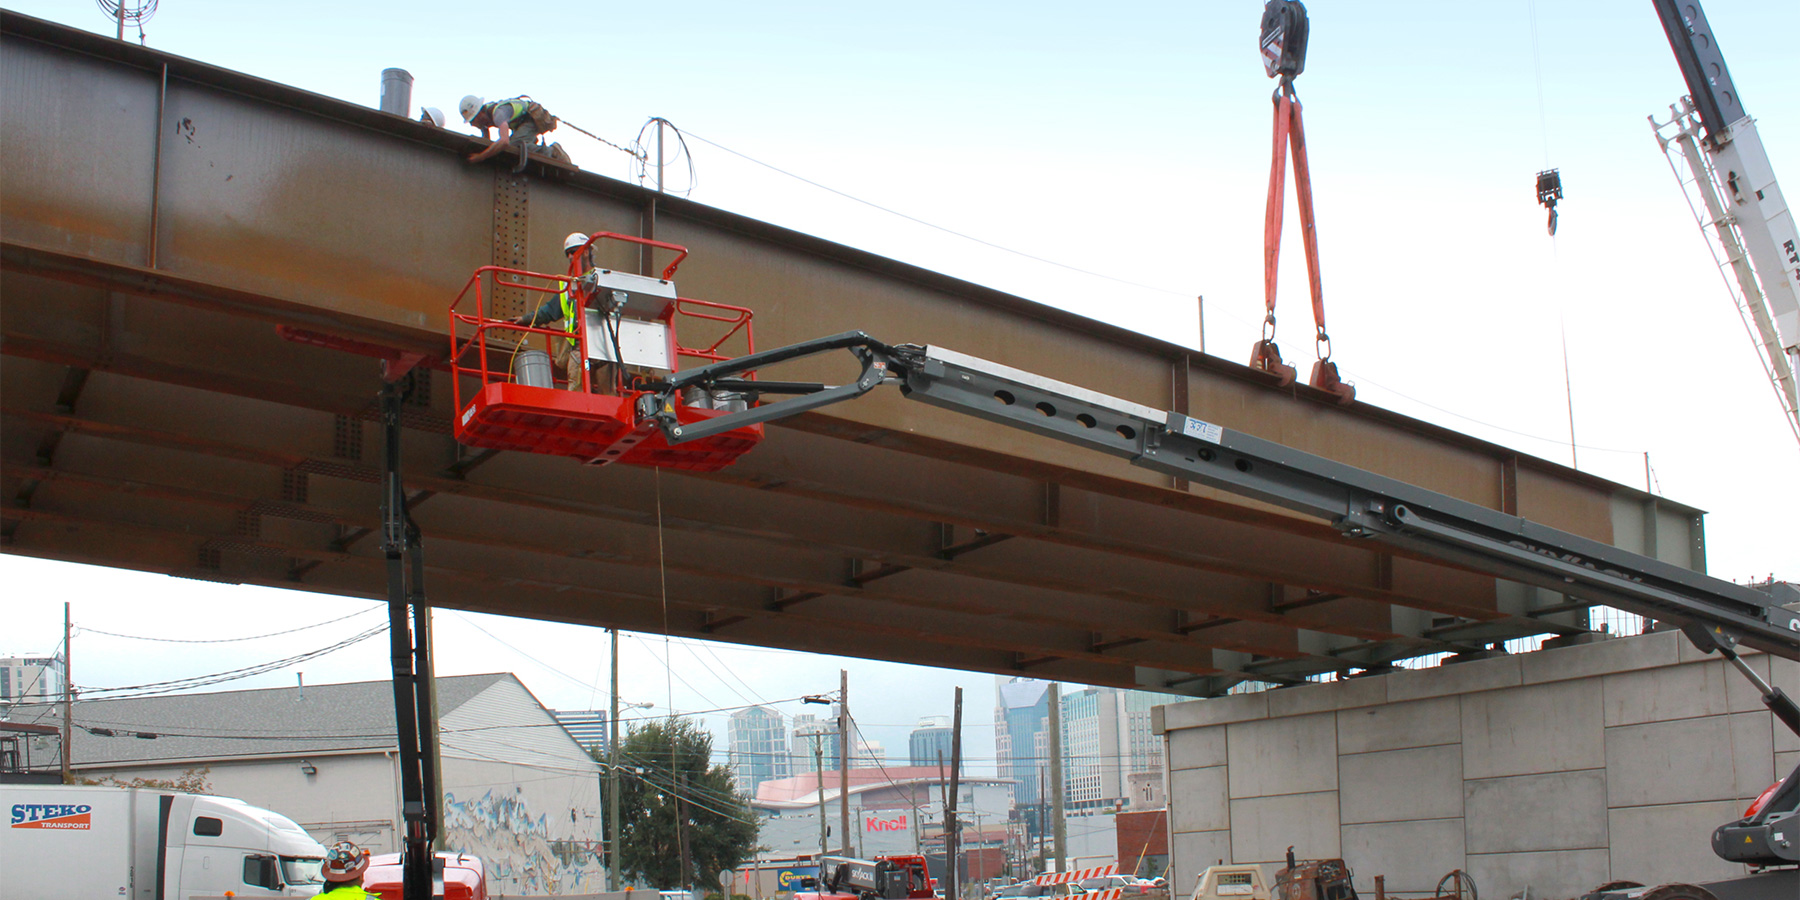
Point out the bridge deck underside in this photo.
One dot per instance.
(154, 420)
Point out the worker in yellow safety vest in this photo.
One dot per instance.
(511, 120)
(344, 866)
(566, 305)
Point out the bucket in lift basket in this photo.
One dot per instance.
(532, 368)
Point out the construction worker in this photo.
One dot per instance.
(344, 866)
(566, 306)
(510, 120)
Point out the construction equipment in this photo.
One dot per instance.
(1714, 151)
(630, 330)
(1549, 191)
(1283, 42)
(1226, 881)
(1716, 615)
(881, 878)
(1314, 879)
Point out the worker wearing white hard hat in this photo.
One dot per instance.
(511, 121)
(566, 306)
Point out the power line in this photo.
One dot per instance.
(1558, 441)
(949, 231)
(534, 660)
(82, 629)
(164, 687)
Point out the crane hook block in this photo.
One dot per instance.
(1549, 190)
(1284, 38)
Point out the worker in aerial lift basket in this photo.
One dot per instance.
(566, 306)
(344, 866)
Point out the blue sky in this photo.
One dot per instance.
(1129, 140)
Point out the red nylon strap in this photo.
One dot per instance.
(1277, 198)
(1309, 236)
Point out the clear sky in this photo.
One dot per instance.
(1126, 140)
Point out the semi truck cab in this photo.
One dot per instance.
(147, 844)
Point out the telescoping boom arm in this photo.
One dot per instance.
(1715, 614)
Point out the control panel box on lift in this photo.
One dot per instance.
(644, 305)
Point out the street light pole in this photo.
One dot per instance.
(819, 768)
(844, 758)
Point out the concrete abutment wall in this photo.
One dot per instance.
(1559, 769)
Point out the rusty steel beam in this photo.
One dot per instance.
(225, 554)
(404, 196)
(212, 435)
(877, 479)
(710, 556)
(157, 420)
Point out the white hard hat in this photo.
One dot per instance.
(575, 241)
(469, 106)
(432, 115)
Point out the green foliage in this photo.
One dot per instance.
(665, 772)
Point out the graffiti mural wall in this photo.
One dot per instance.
(522, 854)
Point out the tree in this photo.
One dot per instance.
(666, 773)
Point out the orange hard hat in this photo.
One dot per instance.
(345, 862)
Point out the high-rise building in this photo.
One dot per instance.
(586, 726)
(758, 747)
(1106, 739)
(930, 741)
(31, 678)
(868, 753)
(812, 738)
(1021, 733)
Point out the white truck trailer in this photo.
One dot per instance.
(147, 844)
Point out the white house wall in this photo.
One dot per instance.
(538, 830)
(521, 794)
(350, 797)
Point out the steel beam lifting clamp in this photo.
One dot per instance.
(1283, 42)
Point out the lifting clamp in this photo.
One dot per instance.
(1284, 33)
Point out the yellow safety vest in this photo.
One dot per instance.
(345, 892)
(573, 316)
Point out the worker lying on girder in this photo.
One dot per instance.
(517, 121)
(566, 306)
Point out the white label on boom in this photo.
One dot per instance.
(1202, 431)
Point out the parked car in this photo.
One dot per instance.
(1020, 891)
(1130, 884)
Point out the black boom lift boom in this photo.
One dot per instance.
(1716, 615)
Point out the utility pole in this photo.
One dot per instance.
(681, 836)
(613, 877)
(660, 122)
(68, 686)
(818, 742)
(844, 758)
(952, 825)
(1043, 825)
(427, 660)
(1059, 827)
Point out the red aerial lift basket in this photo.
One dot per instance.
(596, 423)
